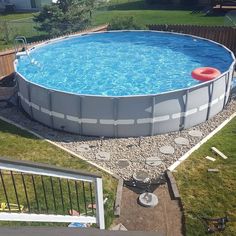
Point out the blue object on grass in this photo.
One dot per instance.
(77, 225)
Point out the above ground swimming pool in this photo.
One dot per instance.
(123, 83)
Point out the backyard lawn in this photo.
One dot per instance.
(20, 145)
(13, 25)
(15, 16)
(208, 194)
(154, 14)
(22, 23)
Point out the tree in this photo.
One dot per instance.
(65, 16)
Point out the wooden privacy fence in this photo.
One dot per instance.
(221, 34)
(7, 58)
(6, 64)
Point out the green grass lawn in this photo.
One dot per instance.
(20, 145)
(15, 16)
(18, 24)
(210, 194)
(13, 25)
(153, 14)
(147, 17)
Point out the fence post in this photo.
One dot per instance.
(6, 32)
(99, 203)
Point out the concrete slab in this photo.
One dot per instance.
(148, 200)
(195, 133)
(182, 141)
(83, 148)
(153, 161)
(123, 163)
(167, 150)
(141, 176)
(103, 156)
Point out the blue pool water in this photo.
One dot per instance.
(122, 63)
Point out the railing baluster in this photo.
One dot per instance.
(85, 203)
(62, 200)
(77, 195)
(44, 193)
(41, 193)
(53, 195)
(68, 186)
(5, 191)
(91, 196)
(25, 190)
(14, 185)
(35, 192)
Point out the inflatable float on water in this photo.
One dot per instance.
(205, 73)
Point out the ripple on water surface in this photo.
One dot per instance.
(122, 63)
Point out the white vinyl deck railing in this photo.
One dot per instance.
(41, 193)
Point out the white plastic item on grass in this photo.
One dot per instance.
(215, 150)
(210, 158)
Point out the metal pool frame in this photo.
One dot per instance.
(125, 116)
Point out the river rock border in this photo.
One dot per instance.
(132, 149)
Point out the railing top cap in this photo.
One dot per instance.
(37, 165)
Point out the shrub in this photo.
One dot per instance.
(125, 23)
(65, 16)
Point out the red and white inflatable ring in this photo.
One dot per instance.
(205, 73)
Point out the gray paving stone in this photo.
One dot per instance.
(123, 163)
(195, 133)
(83, 148)
(182, 141)
(141, 176)
(167, 150)
(103, 156)
(154, 161)
(148, 199)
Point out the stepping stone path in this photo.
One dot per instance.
(153, 161)
(103, 156)
(148, 200)
(123, 163)
(141, 176)
(83, 148)
(195, 133)
(182, 141)
(167, 150)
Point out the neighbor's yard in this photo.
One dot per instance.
(20, 145)
(206, 194)
(15, 16)
(22, 24)
(153, 14)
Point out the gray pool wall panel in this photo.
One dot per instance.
(125, 116)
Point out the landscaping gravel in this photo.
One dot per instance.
(135, 150)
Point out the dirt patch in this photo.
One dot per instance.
(165, 218)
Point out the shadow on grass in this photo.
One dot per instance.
(142, 5)
(38, 38)
(10, 129)
(46, 132)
